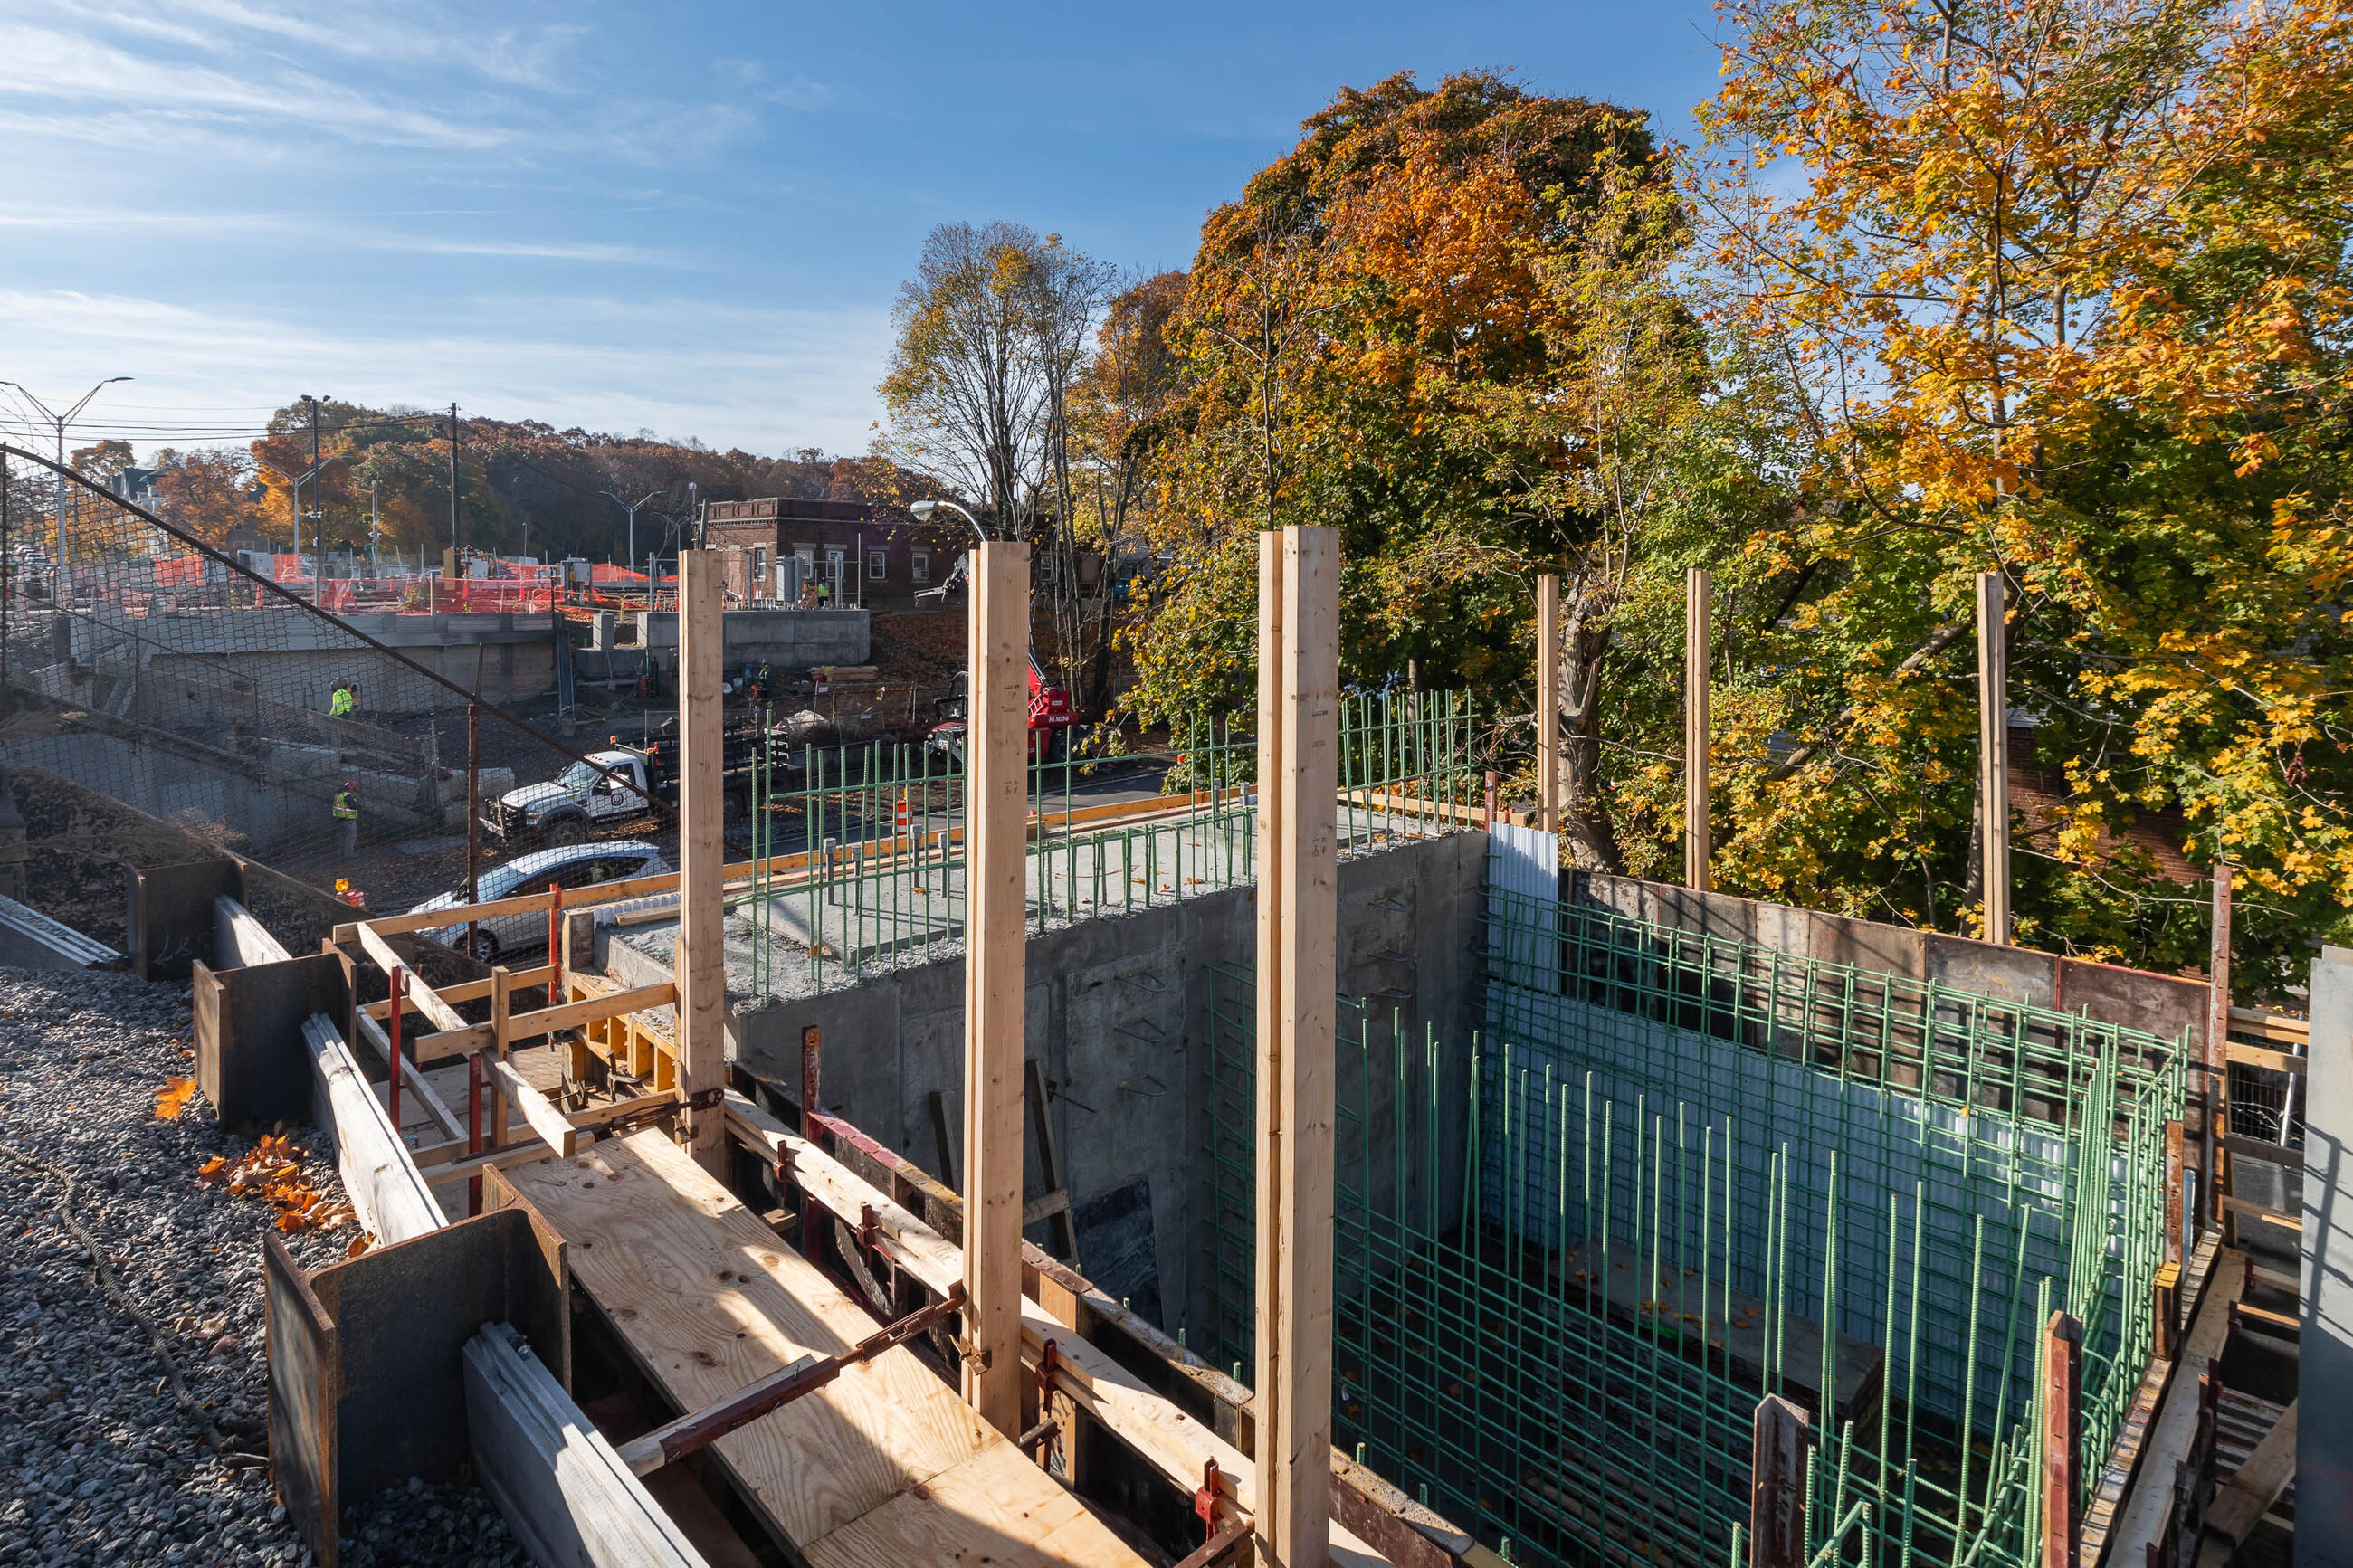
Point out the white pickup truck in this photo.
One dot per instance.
(580, 800)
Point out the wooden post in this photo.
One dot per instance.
(812, 1226)
(698, 961)
(1696, 606)
(994, 978)
(1548, 695)
(2165, 1306)
(1777, 1486)
(500, 1005)
(1993, 756)
(2063, 1438)
(2218, 1048)
(1298, 916)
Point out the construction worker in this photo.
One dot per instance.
(347, 816)
(340, 705)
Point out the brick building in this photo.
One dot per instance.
(865, 553)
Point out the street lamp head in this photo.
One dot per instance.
(922, 510)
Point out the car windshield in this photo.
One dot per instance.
(579, 775)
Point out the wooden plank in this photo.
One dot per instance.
(2262, 1056)
(471, 990)
(1055, 1204)
(563, 1491)
(239, 939)
(2283, 1028)
(2249, 1209)
(708, 1303)
(457, 1042)
(1777, 1486)
(429, 1001)
(412, 1081)
(521, 903)
(1143, 1419)
(548, 1124)
(1993, 752)
(1697, 730)
(987, 1499)
(2141, 1517)
(1298, 916)
(995, 969)
(916, 1247)
(2241, 1506)
(698, 961)
(1547, 673)
(387, 1193)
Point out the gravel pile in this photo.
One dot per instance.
(134, 1404)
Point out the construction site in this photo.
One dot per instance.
(893, 1145)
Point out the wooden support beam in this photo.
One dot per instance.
(549, 1125)
(1697, 619)
(1993, 754)
(1055, 1202)
(995, 969)
(699, 961)
(1298, 914)
(2061, 1441)
(2238, 1507)
(2216, 1176)
(1548, 776)
(1777, 1484)
(543, 1020)
(421, 997)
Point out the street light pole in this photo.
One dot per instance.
(57, 546)
(631, 507)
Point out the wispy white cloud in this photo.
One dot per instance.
(759, 79)
(765, 379)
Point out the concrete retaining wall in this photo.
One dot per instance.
(785, 639)
(1116, 1014)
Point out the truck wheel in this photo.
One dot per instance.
(732, 808)
(567, 830)
(486, 947)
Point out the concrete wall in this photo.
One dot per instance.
(786, 639)
(1116, 1014)
(2163, 1005)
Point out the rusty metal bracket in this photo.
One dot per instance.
(1219, 1546)
(690, 1433)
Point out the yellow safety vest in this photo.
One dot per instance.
(340, 706)
(346, 805)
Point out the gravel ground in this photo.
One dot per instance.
(133, 1405)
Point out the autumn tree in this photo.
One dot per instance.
(1377, 335)
(2064, 290)
(991, 331)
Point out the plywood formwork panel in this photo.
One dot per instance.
(708, 1300)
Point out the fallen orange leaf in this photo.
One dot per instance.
(173, 1098)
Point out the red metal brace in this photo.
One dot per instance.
(1049, 1431)
(867, 1229)
(1221, 1543)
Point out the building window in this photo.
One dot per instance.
(875, 565)
(807, 553)
(919, 564)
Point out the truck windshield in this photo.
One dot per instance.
(579, 775)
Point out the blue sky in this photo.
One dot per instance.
(686, 219)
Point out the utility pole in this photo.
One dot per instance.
(1993, 755)
(318, 514)
(57, 540)
(457, 540)
(376, 526)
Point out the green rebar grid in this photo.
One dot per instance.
(1675, 1171)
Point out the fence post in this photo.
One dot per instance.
(1777, 1488)
(2063, 1438)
